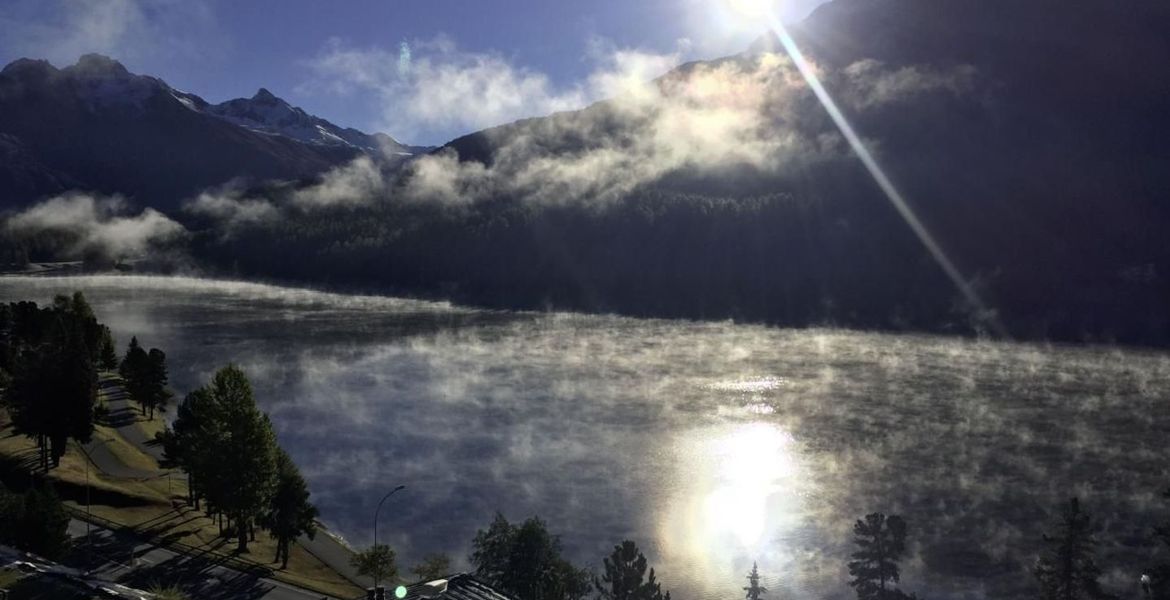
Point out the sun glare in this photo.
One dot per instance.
(752, 463)
(743, 494)
(753, 9)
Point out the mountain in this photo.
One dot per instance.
(266, 113)
(95, 126)
(1027, 136)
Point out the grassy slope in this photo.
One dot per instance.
(155, 507)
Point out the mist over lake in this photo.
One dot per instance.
(712, 444)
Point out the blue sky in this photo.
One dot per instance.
(340, 59)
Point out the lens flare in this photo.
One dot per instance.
(808, 73)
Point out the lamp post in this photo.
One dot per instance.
(88, 515)
(376, 511)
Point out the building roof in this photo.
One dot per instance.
(460, 586)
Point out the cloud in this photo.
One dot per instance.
(871, 83)
(649, 119)
(443, 88)
(351, 184)
(751, 111)
(356, 183)
(231, 209)
(136, 30)
(709, 117)
(96, 225)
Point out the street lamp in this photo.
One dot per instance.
(88, 515)
(376, 511)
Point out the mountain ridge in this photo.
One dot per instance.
(95, 126)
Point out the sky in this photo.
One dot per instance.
(424, 71)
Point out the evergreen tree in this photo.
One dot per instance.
(108, 354)
(78, 317)
(189, 442)
(432, 567)
(881, 543)
(625, 576)
(134, 370)
(52, 395)
(42, 525)
(75, 392)
(377, 562)
(754, 590)
(491, 549)
(244, 474)
(11, 514)
(154, 388)
(290, 515)
(29, 401)
(1067, 568)
(526, 561)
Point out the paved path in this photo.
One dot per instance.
(123, 414)
(333, 552)
(121, 557)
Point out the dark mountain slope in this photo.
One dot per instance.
(96, 127)
(1027, 135)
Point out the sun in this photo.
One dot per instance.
(752, 9)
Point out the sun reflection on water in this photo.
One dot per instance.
(739, 495)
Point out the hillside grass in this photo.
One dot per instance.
(156, 508)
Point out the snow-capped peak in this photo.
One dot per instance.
(267, 113)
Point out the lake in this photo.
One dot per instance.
(711, 444)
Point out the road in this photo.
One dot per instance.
(124, 558)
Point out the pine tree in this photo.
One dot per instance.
(52, 395)
(881, 543)
(754, 590)
(154, 388)
(491, 549)
(625, 576)
(75, 394)
(29, 401)
(43, 525)
(134, 370)
(290, 514)
(1067, 569)
(108, 354)
(526, 561)
(189, 442)
(243, 477)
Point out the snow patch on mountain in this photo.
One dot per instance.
(264, 112)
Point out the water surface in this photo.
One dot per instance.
(712, 445)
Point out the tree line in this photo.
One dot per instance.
(145, 375)
(49, 360)
(34, 521)
(526, 561)
(236, 470)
